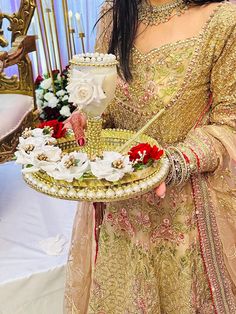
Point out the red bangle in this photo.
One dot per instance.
(197, 158)
(186, 158)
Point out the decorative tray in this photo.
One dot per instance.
(91, 189)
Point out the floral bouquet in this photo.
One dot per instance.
(53, 101)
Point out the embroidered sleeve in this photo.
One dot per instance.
(203, 148)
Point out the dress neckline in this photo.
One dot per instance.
(182, 41)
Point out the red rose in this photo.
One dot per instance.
(38, 80)
(156, 153)
(143, 153)
(55, 73)
(58, 128)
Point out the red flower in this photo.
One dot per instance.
(58, 128)
(144, 152)
(55, 73)
(156, 153)
(38, 80)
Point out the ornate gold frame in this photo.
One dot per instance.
(17, 55)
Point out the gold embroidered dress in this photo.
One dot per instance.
(177, 254)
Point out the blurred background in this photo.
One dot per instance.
(80, 15)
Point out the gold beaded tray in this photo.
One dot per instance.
(94, 190)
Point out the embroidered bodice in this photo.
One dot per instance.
(181, 75)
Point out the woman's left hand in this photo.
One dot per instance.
(161, 190)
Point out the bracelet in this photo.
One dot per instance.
(172, 175)
(182, 161)
(180, 171)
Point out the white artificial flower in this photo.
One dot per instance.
(85, 88)
(29, 168)
(53, 102)
(72, 166)
(65, 111)
(23, 158)
(38, 132)
(47, 157)
(61, 93)
(37, 142)
(66, 97)
(26, 148)
(112, 167)
(46, 84)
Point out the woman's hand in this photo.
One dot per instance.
(161, 190)
(78, 122)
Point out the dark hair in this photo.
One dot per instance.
(125, 22)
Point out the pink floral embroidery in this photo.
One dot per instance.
(151, 198)
(109, 218)
(141, 305)
(120, 221)
(143, 220)
(125, 87)
(165, 232)
(97, 289)
(124, 223)
(191, 220)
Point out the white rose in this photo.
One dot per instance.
(45, 104)
(82, 94)
(65, 111)
(52, 103)
(46, 84)
(66, 97)
(85, 88)
(48, 96)
(61, 93)
(39, 103)
(39, 93)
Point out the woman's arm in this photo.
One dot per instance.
(205, 147)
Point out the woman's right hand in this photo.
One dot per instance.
(77, 122)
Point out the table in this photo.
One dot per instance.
(31, 280)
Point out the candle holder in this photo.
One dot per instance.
(48, 11)
(72, 34)
(46, 43)
(82, 36)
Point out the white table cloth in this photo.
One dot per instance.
(31, 280)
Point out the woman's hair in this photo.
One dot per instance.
(125, 21)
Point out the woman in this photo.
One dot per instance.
(171, 250)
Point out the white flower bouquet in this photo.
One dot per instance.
(53, 103)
